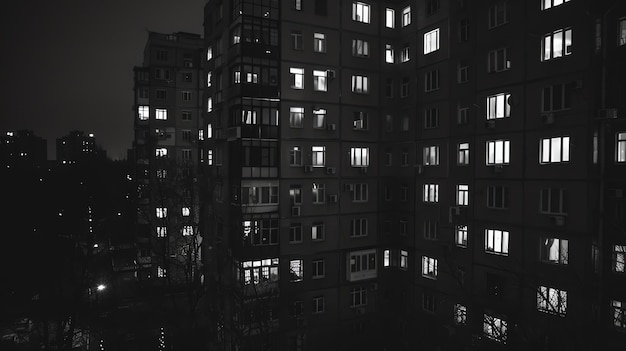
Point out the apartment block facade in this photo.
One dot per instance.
(397, 174)
(166, 155)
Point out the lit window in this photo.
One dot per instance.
(144, 112)
(318, 304)
(319, 118)
(318, 156)
(319, 81)
(359, 157)
(552, 201)
(619, 314)
(462, 194)
(622, 32)
(619, 258)
(388, 53)
(497, 197)
(296, 117)
(551, 300)
(186, 211)
(317, 231)
(360, 48)
(209, 157)
(386, 258)
(297, 77)
(209, 53)
(429, 267)
(463, 154)
(553, 250)
(161, 152)
(187, 230)
(161, 231)
(295, 233)
(161, 113)
(554, 150)
(460, 235)
(495, 328)
(406, 16)
(260, 232)
(318, 193)
(460, 314)
(431, 155)
(296, 40)
(249, 117)
(359, 121)
(431, 193)
(390, 18)
(497, 14)
(362, 265)
(161, 212)
(404, 54)
(497, 60)
(209, 104)
(297, 5)
(546, 4)
(431, 41)
(319, 42)
(431, 80)
(358, 297)
(498, 152)
(557, 44)
(620, 147)
(295, 193)
(295, 270)
(497, 242)
(254, 272)
(360, 84)
(358, 227)
(498, 106)
(360, 12)
(161, 272)
(295, 156)
(237, 75)
(259, 195)
(404, 259)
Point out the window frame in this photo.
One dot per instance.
(361, 12)
(554, 150)
(429, 267)
(492, 154)
(497, 242)
(431, 41)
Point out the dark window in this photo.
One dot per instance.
(320, 7)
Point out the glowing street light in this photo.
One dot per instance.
(101, 287)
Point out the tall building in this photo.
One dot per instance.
(390, 175)
(167, 131)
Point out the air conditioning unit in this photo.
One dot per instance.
(330, 73)
(331, 126)
(349, 187)
(359, 311)
(559, 221)
(491, 124)
(332, 199)
(308, 168)
(607, 113)
(331, 170)
(295, 211)
(547, 118)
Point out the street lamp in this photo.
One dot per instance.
(101, 287)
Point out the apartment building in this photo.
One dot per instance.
(166, 155)
(403, 174)
(22, 148)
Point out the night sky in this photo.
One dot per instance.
(67, 64)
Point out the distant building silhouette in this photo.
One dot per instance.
(78, 147)
(22, 148)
